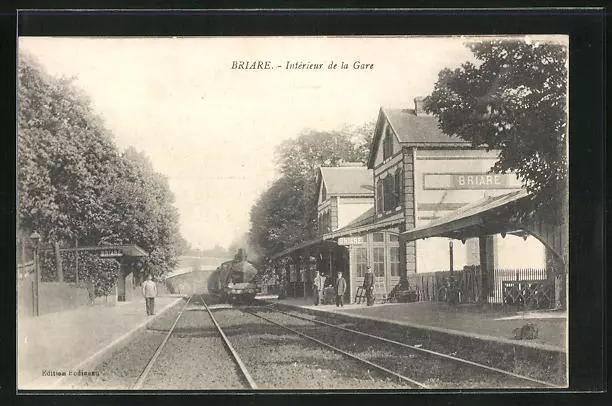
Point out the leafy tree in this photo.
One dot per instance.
(73, 185)
(65, 159)
(144, 213)
(285, 214)
(514, 100)
(277, 218)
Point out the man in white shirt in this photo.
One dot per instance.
(149, 291)
(317, 284)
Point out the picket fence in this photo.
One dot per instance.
(432, 286)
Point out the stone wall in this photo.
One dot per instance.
(57, 297)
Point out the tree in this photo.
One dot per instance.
(286, 213)
(277, 218)
(144, 213)
(66, 159)
(73, 185)
(513, 100)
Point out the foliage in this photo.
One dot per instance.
(65, 159)
(101, 273)
(74, 185)
(514, 100)
(285, 214)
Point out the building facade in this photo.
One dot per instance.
(415, 174)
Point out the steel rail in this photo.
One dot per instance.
(229, 346)
(347, 354)
(147, 370)
(424, 350)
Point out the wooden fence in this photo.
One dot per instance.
(434, 286)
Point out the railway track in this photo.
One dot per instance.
(345, 353)
(410, 365)
(463, 363)
(234, 355)
(253, 385)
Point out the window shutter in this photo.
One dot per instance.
(389, 189)
(398, 188)
(379, 196)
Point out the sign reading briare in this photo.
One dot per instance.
(111, 253)
(350, 240)
(470, 181)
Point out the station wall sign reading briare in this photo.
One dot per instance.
(443, 181)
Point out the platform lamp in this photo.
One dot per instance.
(450, 252)
(35, 238)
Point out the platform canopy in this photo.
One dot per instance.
(491, 215)
(306, 244)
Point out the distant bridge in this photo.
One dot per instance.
(192, 273)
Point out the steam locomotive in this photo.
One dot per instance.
(234, 281)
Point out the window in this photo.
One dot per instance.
(379, 196)
(389, 192)
(393, 238)
(394, 260)
(398, 188)
(323, 193)
(378, 261)
(378, 237)
(388, 143)
(325, 222)
(361, 260)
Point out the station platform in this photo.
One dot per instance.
(76, 339)
(483, 322)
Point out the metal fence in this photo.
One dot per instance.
(506, 275)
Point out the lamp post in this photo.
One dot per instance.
(35, 238)
(450, 252)
(452, 299)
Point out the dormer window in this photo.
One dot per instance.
(388, 143)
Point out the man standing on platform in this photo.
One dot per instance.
(149, 291)
(318, 283)
(368, 286)
(340, 289)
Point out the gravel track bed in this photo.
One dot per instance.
(121, 368)
(429, 370)
(496, 360)
(279, 359)
(194, 357)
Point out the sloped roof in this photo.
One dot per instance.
(421, 129)
(478, 218)
(365, 223)
(348, 180)
(413, 130)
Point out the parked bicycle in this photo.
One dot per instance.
(450, 292)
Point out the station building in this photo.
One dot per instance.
(417, 174)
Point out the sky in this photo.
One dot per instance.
(212, 130)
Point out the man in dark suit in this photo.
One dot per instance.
(340, 289)
(368, 285)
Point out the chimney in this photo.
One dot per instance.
(418, 106)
